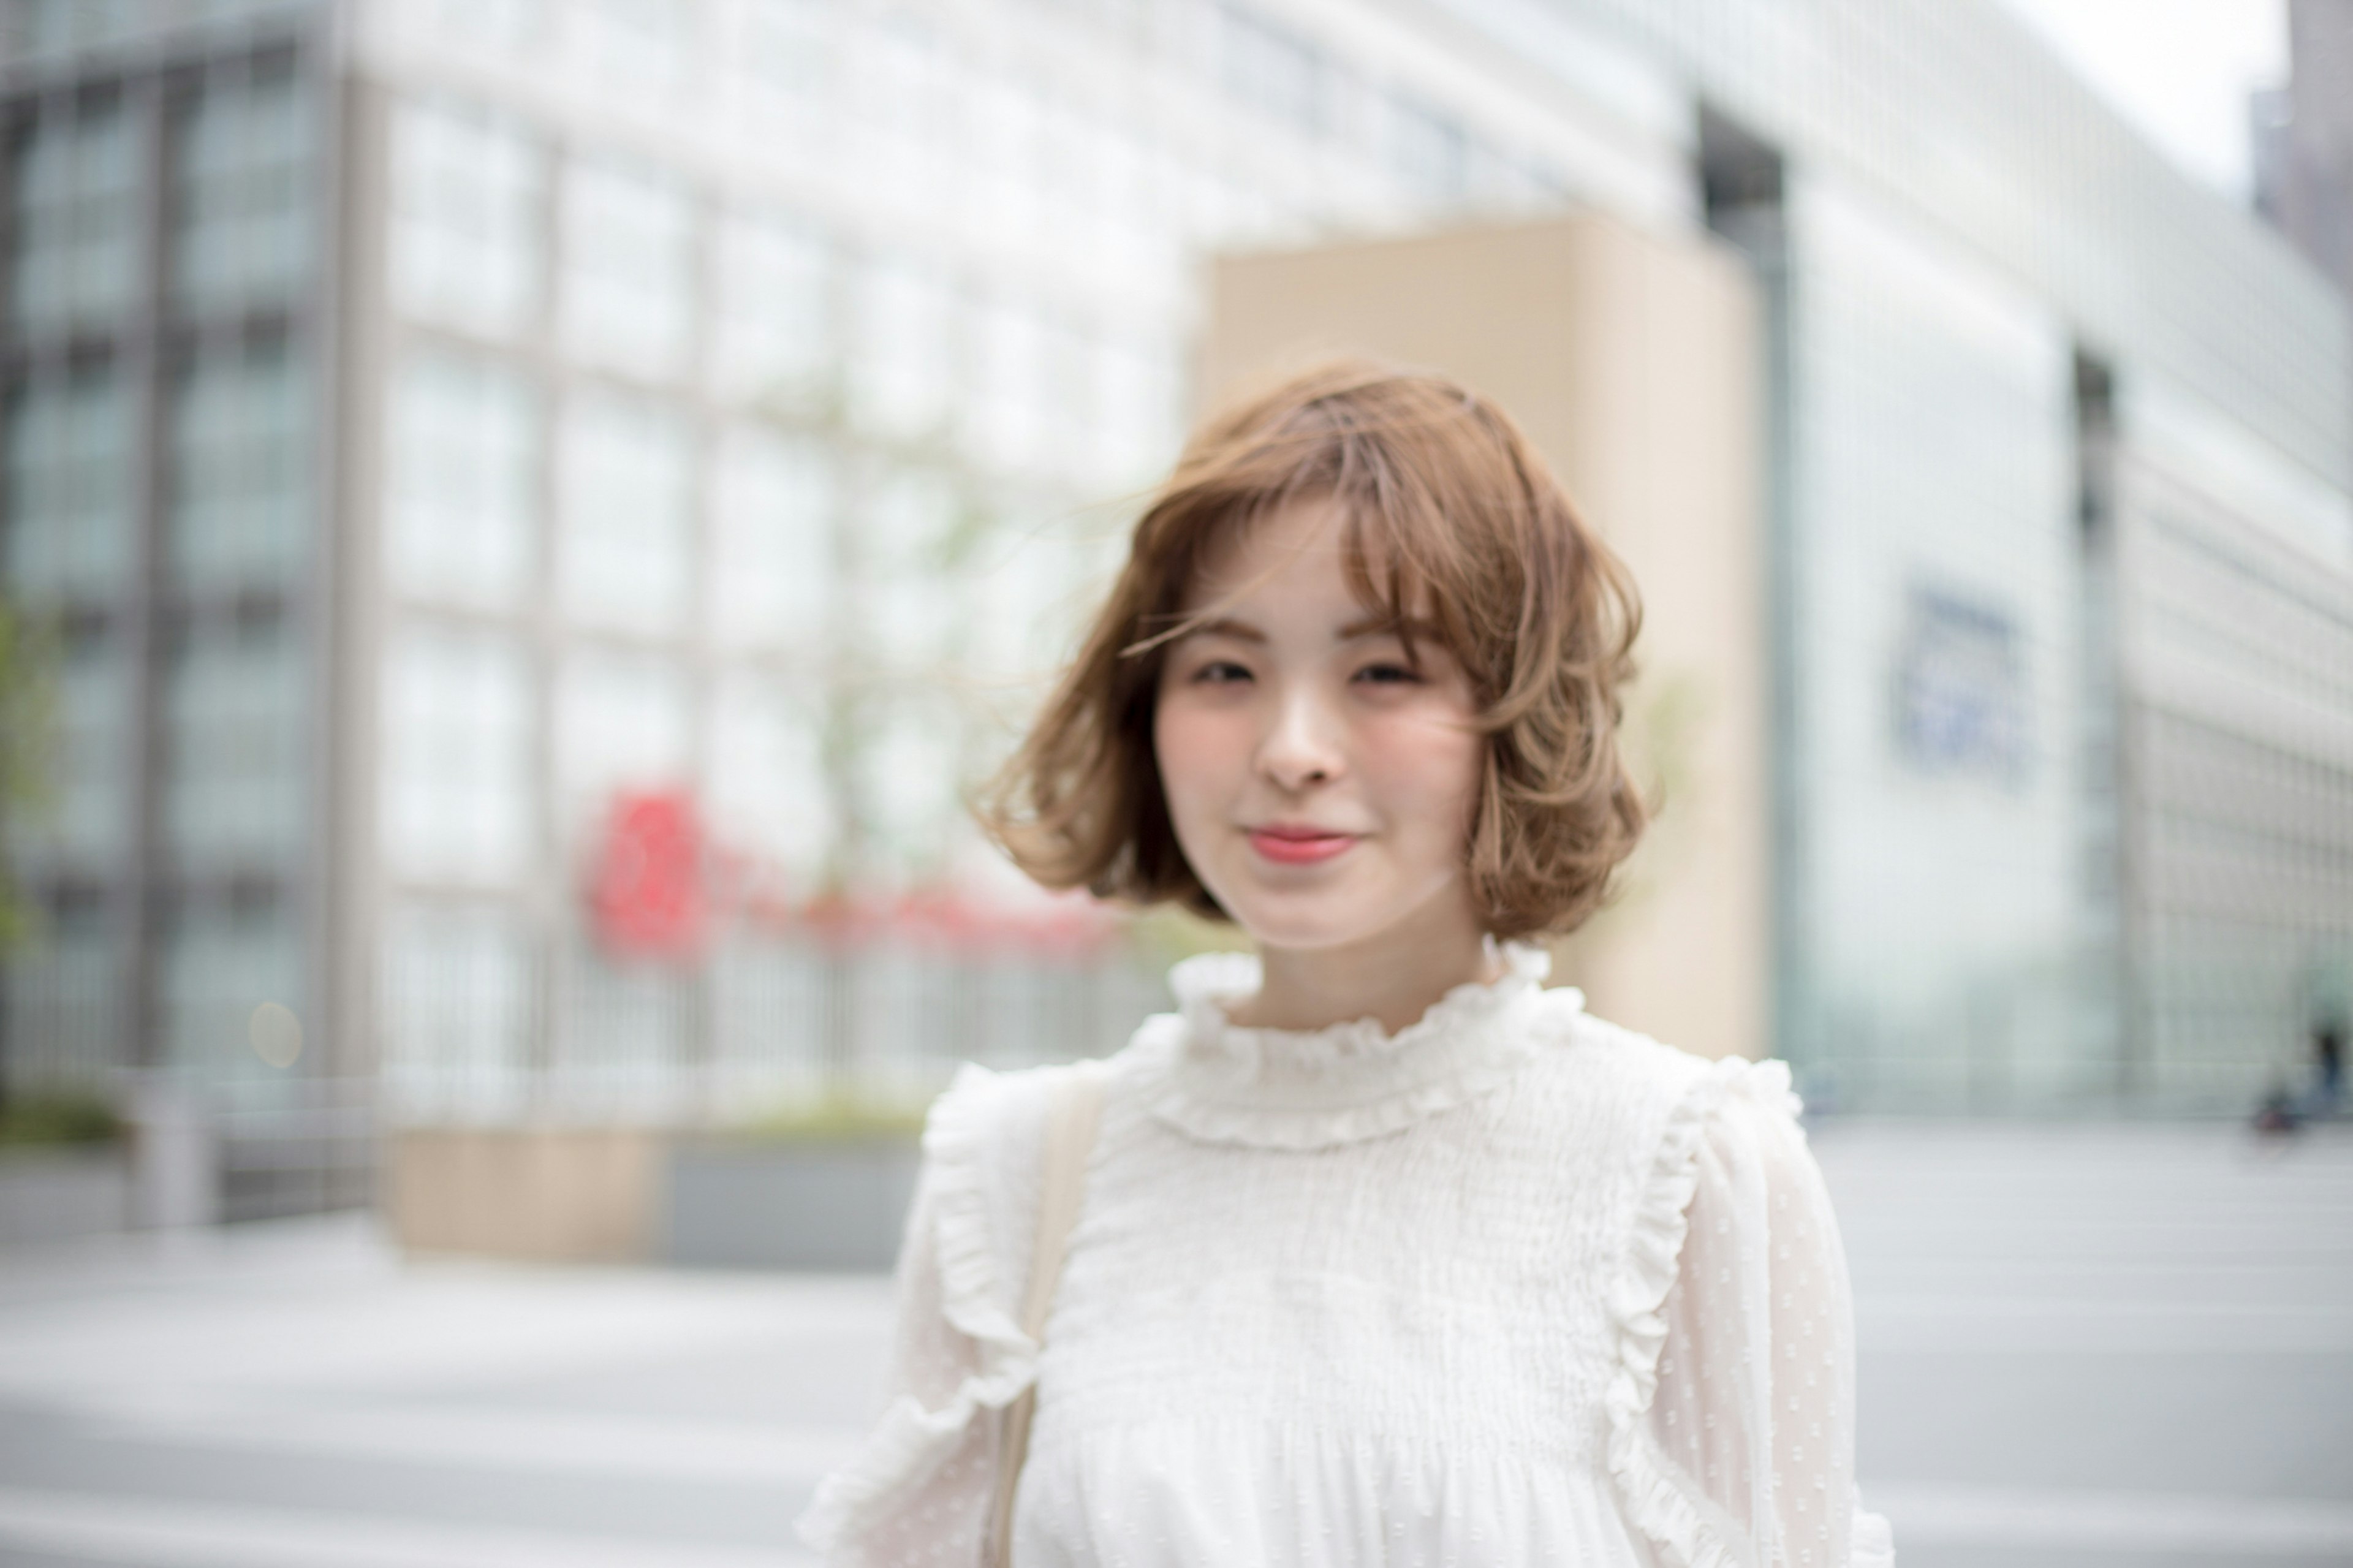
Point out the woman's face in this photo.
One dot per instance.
(1320, 780)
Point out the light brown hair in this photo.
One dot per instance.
(1451, 521)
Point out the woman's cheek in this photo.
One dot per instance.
(1192, 742)
(1430, 762)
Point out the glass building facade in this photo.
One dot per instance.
(436, 424)
(2013, 875)
(165, 506)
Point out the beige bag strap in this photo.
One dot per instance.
(1071, 1117)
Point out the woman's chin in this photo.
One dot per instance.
(1330, 912)
(1307, 924)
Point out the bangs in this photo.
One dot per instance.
(1405, 556)
(1397, 588)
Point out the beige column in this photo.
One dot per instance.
(1633, 362)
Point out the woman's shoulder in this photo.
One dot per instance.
(984, 1144)
(1671, 1077)
(987, 1130)
(991, 1116)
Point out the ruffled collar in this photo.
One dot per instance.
(1283, 1088)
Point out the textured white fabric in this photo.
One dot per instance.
(1510, 1285)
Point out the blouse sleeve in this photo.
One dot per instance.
(1754, 1416)
(918, 1490)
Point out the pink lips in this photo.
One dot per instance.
(1287, 845)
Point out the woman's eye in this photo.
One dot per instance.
(1220, 672)
(1387, 674)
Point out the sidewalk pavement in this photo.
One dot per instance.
(2081, 1346)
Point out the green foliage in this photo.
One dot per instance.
(27, 747)
(57, 1118)
(1668, 717)
(1164, 934)
(838, 1118)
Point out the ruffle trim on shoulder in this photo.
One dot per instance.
(1873, 1541)
(1299, 1089)
(913, 1441)
(957, 1144)
(1658, 1504)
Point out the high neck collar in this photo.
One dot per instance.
(1307, 1088)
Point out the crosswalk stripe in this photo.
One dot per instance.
(1928, 1514)
(110, 1528)
(766, 1454)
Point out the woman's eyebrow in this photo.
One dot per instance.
(1225, 626)
(1406, 627)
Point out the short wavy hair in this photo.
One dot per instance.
(1452, 522)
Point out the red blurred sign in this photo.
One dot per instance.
(648, 891)
(959, 921)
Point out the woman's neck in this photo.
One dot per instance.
(1394, 977)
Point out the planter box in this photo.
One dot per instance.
(548, 1194)
(626, 1195)
(819, 1205)
(52, 1195)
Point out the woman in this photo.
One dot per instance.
(1381, 1253)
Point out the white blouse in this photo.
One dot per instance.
(1510, 1285)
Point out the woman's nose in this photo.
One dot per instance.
(1302, 745)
